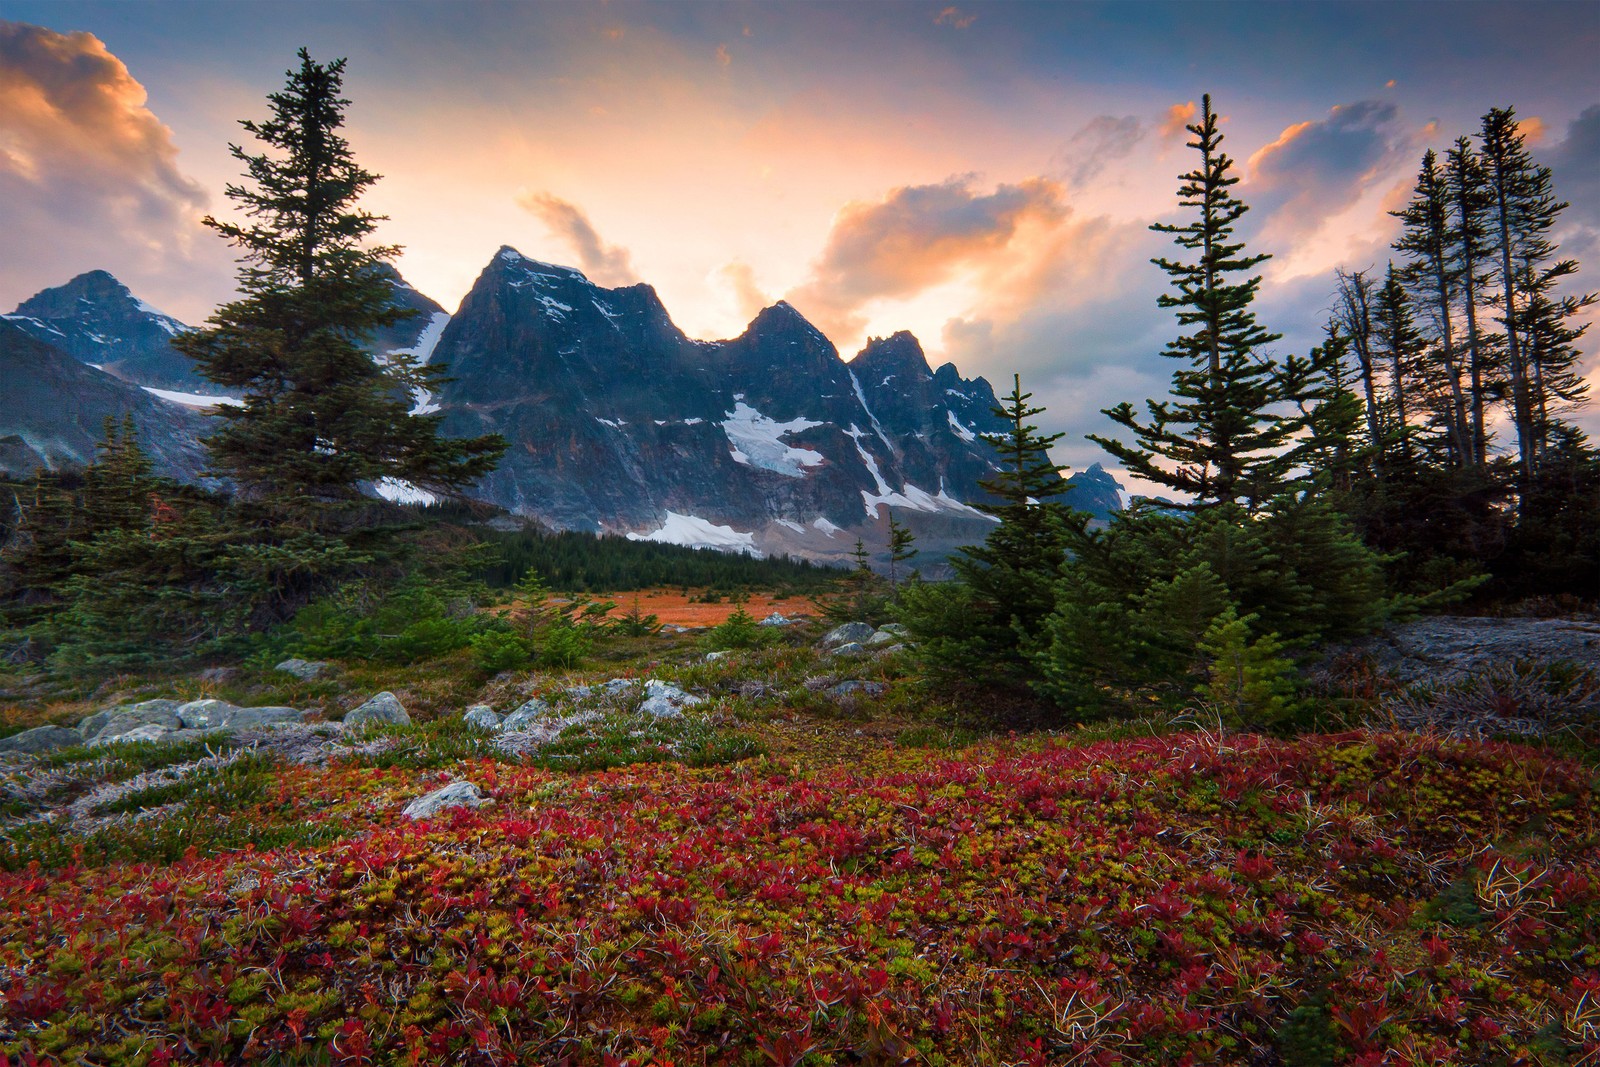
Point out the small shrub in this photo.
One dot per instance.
(564, 644)
(497, 650)
(739, 630)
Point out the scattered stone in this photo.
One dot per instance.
(140, 715)
(204, 714)
(854, 688)
(849, 633)
(41, 739)
(849, 649)
(242, 718)
(775, 619)
(881, 638)
(305, 670)
(666, 701)
(712, 657)
(482, 716)
(893, 628)
(217, 675)
(454, 795)
(527, 715)
(385, 707)
(889, 650)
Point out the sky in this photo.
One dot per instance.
(982, 174)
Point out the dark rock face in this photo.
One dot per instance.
(769, 441)
(95, 319)
(1095, 491)
(53, 410)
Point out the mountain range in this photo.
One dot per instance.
(617, 421)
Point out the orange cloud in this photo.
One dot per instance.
(608, 265)
(1178, 116)
(954, 16)
(89, 177)
(724, 57)
(917, 237)
(749, 297)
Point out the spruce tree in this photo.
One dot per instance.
(1223, 437)
(321, 421)
(1431, 276)
(1401, 344)
(1469, 199)
(902, 549)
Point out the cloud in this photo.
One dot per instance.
(1575, 164)
(1176, 120)
(608, 265)
(1320, 166)
(918, 237)
(89, 177)
(954, 16)
(749, 296)
(1105, 138)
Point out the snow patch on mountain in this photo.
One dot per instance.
(757, 441)
(960, 430)
(420, 353)
(692, 531)
(401, 491)
(825, 526)
(191, 400)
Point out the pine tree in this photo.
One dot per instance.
(901, 549)
(1432, 278)
(1222, 437)
(1469, 199)
(1354, 317)
(321, 421)
(1401, 345)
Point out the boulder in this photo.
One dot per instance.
(482, 716)
(881, 638)
(775, 619)
(528, 714)
(712, 657)
(666, 701)
(889, 650)
(243, 718)
(204, 714)
(41, 739)
(303, 669)
(849, 633)
(848, 649)
(144, 711)
(384, 708)
(893, 628)
(150, 731)
(454, 795)
(138, 717)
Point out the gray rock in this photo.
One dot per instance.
(849, 633)
(454, 795)
(712, 657)
(775, 619)
(482, 716)
(150, 731)
(666, 701)
(144, 711)
(204, 714)
(855, 688)
(305, 670)
(137, 718)
(881, 638)
(848, 649)
(217, 675)
(385, 708)
(1445, 648)
(893, 628)
(246, 718)
(41, 739)
(528, 714)
(889, 650)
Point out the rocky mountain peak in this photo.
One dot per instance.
(898, 357)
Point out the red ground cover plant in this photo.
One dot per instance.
(1365, 899)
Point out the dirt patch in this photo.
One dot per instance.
(674, 608)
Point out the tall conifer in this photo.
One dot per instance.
(1224, 437)
(321, 421)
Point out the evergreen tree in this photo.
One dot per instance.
(901, 549)
(1432, 277)
(1468, 195)
(1354, 318)
(321, 420)
(1223, 436)
(1401, 345)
